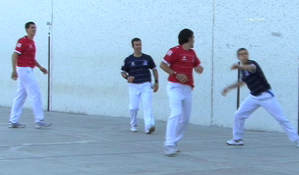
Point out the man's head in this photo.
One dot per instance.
(186, 36)
(243, 54)
(137, 45)
(30, 28)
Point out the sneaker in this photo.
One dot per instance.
(239, 142)
(16, 125)
(170, 150)
(42, 124)
(134, 129)
(150, 130)
(177, 149)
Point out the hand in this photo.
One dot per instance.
(14, 75)
(44, 70)
(199, 69)
(235, 66)
(156, 87)
(182, 78)
(130, 79)
(224, 92)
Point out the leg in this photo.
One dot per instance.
(185, 117)
(273, 107)
(248, 106)
(18, 103)
(175, 102)
(134, 103)
(34, 94)
(147, 98)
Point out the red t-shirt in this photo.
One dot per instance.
(26, 50)
(182, 61)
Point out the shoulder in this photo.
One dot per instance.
(146, 56)
(253, 62)
(23, 39)
(175, 49)
(172, 50)
(129, 58)
(193, 51)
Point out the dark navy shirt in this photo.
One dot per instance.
(138, 67)
(256, 80)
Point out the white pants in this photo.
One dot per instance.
(268, 102)
(27, 86)
(180, 101)
(143, 92)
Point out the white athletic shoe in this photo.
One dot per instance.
(233, 142)
(134, 129)
(170, 151)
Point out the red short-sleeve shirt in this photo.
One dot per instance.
(26, 50)
(182, 61)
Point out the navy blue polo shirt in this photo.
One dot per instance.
(256, 81)
(139, 67)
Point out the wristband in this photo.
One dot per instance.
(156, 81)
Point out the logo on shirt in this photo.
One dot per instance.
(19, 45)
(145, 63)
(184, 58)
(246, 73)
(132, 64)
(30, 46)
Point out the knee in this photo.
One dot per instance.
(240, 115)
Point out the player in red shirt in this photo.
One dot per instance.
(23, 63)
(179, 63)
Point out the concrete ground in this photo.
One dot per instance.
(81, 144)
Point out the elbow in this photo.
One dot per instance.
(162, 65)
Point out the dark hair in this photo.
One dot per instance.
(135, 39)
(27, 25)
(184, 36)
(241, 49)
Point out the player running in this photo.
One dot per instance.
(136, 70)
(179, 63)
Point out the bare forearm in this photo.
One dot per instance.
(124, 75)
(14, 61)
(166, 68)
(37, 64)
(156, 75)
(246, 67)
(235, 85)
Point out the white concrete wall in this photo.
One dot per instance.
(90, 40)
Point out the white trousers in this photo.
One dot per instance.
(143, 92)
(180, 101)
(268, 102)
(27, 86)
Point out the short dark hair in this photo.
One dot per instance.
(134, 40)
(184, 36)
(241, 49)
(27, 25)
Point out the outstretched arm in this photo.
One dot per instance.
(249, 67)
(231, 87)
